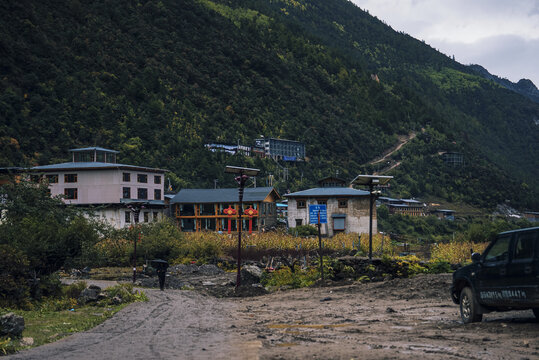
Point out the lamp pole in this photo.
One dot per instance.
(241, 180)
(371, 181)
(243, 175)
(135, 209)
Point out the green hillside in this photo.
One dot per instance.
(157, 80)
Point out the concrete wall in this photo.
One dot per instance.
(116, 216)
(357, 214)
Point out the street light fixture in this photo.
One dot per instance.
(371, 181)
(243, 175)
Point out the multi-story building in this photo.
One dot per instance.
(203, 209)
(347, 209)
(114, 192)
(288, 150)
(403, 206)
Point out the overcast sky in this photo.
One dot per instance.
(500, 35)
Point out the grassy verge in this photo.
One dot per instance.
(56, 318)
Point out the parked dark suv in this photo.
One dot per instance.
(505, 277)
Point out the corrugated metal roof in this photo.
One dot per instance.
(199, 196)
(94, 148)
(92, 165)
(329, 191)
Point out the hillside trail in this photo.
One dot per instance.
(395, 319)
(403, 140)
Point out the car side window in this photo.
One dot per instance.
(499, 251)
(524, 246)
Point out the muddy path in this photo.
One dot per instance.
(396, 319)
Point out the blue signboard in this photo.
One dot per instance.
(313, 214)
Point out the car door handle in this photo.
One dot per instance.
(528, 270)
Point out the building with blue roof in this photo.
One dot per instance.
(347, 209)
(94, 180)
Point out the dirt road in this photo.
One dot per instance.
(397, 319)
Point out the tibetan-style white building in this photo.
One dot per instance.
(94, 180)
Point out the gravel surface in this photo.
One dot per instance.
(396, 319)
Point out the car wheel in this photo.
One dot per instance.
(469, 311)
(536, 312)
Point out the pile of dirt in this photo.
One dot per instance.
(422, 286)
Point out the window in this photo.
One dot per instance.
(187, 210)
(35, 178)
(499, 251)
(299, 222)
(126, 177)
(70, 193)
(146, 216)
(207, 209)
(142, 178)
(157, 194)
(142, 193)
(128, 217)
(524, 246)
(321, 201)
(157, 179)
(52, 179)
(155, 216)
(300, 204)
(343, 203)
(126, 193)
(70, 178)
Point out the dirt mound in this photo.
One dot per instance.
(422, 286)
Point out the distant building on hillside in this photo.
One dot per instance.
(403, 206)
(531, 216)
(281, 149)
(444, 214)
(94, 180)
(453, 158)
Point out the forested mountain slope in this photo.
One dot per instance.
(157, 80)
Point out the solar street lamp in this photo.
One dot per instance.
(371, 181)
(242, 175)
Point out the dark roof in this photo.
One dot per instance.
(328, 191)
(95, 148)
(199, 196)
(93, 166)
(444, 210)
(145, 202)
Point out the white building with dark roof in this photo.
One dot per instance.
(95, 181)
(347, 209)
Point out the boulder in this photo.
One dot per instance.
(90, 294)
(250, 274)
(11, 325)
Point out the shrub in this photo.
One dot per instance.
(73, 291)
(304, 230)
(14, 275)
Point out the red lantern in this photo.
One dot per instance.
(229, 211)
(250, 212)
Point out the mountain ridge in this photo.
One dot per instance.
(158, 80)
(524, 87)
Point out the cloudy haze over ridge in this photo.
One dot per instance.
(500, 35)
